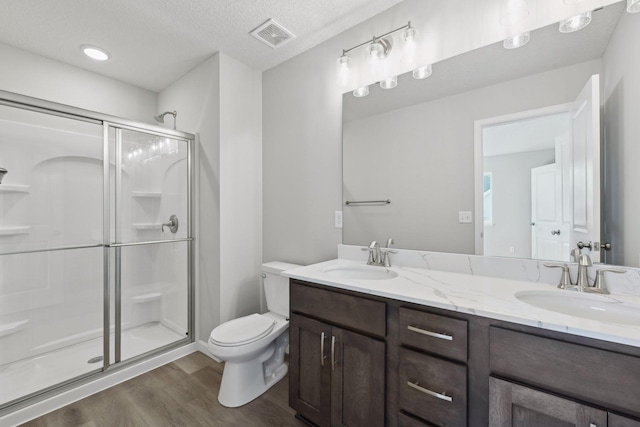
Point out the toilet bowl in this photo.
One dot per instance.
(253, 346)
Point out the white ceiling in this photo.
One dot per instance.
(154, 42)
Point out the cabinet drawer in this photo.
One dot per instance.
(361, 314)
(604, 378)
(436, 334)
(432, 388)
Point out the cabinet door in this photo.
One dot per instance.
(618, 421)
(357, 379)
(512, 405)
(310, 373)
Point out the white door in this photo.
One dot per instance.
(585, 117)
(546, 235)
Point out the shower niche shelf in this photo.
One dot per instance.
(146, 194)
(14, 230)
(4, 188)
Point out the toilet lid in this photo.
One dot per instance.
(242, 330)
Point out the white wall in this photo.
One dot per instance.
(220, 100)
(621, 63)
(511, 190)
(33, 75)
(421, 157)
(302, 112)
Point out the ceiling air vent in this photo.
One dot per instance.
(272, 34)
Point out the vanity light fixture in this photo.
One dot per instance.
(378, 47)
(633, 6)
(575, 23)
(422, 72)
(361, 92)
(95, 52)
(389, 83)
(517, 41)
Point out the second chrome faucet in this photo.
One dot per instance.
(380, 256)
(582, 281)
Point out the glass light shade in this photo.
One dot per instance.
(361, 92)
(422, 72)
(376, 50)
(95, 52)
(409, 34)
(575, 23)
(516, 41)
(343, 62)
(633, 6)
(389, 83)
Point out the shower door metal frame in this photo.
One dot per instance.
(28, 103)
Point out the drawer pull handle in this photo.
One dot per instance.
(431, 334)
(322, 338)
(429, 392)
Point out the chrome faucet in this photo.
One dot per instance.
(386, 260)
(582, 283)
(374, 253)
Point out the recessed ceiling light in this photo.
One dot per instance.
(95, 52)
(516, 41)
(575, 23)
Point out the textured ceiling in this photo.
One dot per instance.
(154, 42)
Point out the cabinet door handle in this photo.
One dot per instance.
(441, 396)
(322, 338)
(431, 334)
(333, 352)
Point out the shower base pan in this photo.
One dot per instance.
(28, 376)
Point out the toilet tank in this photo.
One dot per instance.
(276, 287)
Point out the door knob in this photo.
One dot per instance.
(584, 245)
(555, 232)
(172, 224)
(606, 246)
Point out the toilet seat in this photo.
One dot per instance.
(243, 330)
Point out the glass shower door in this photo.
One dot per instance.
(51, 255)
(150, 241)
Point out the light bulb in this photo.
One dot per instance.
(575, 23)
(376, 50)
(389, 83)
(422, 72)
(409, 34)
(361, 92)
(633, 6)
(516, 41)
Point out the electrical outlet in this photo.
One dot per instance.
(465, 217)
(338, 219)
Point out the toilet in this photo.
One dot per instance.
(253, 346)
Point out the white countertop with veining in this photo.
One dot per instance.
(490, 297)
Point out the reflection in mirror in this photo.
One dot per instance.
(415, 146)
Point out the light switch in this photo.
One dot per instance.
(465, 217)
(338, 219)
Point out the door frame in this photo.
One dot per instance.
(478, 156)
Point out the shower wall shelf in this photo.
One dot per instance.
(14, 230)
(146, 226)
(4, 188)
(153, 296)
(12, 328)
(146, 194)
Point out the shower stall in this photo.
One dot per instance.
(96, 245)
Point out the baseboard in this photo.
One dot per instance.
(67, 397)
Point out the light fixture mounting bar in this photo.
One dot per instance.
(345, 51)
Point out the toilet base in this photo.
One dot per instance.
(242, 382)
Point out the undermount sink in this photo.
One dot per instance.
(595, 307)
(360, 272)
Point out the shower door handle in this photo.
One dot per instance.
(172, 224)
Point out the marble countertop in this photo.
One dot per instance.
(490, 297)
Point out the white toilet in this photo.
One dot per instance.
(253, 346)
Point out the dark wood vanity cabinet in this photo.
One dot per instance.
(337, 375)
(360, 360)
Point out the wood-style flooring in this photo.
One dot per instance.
(182, 393)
